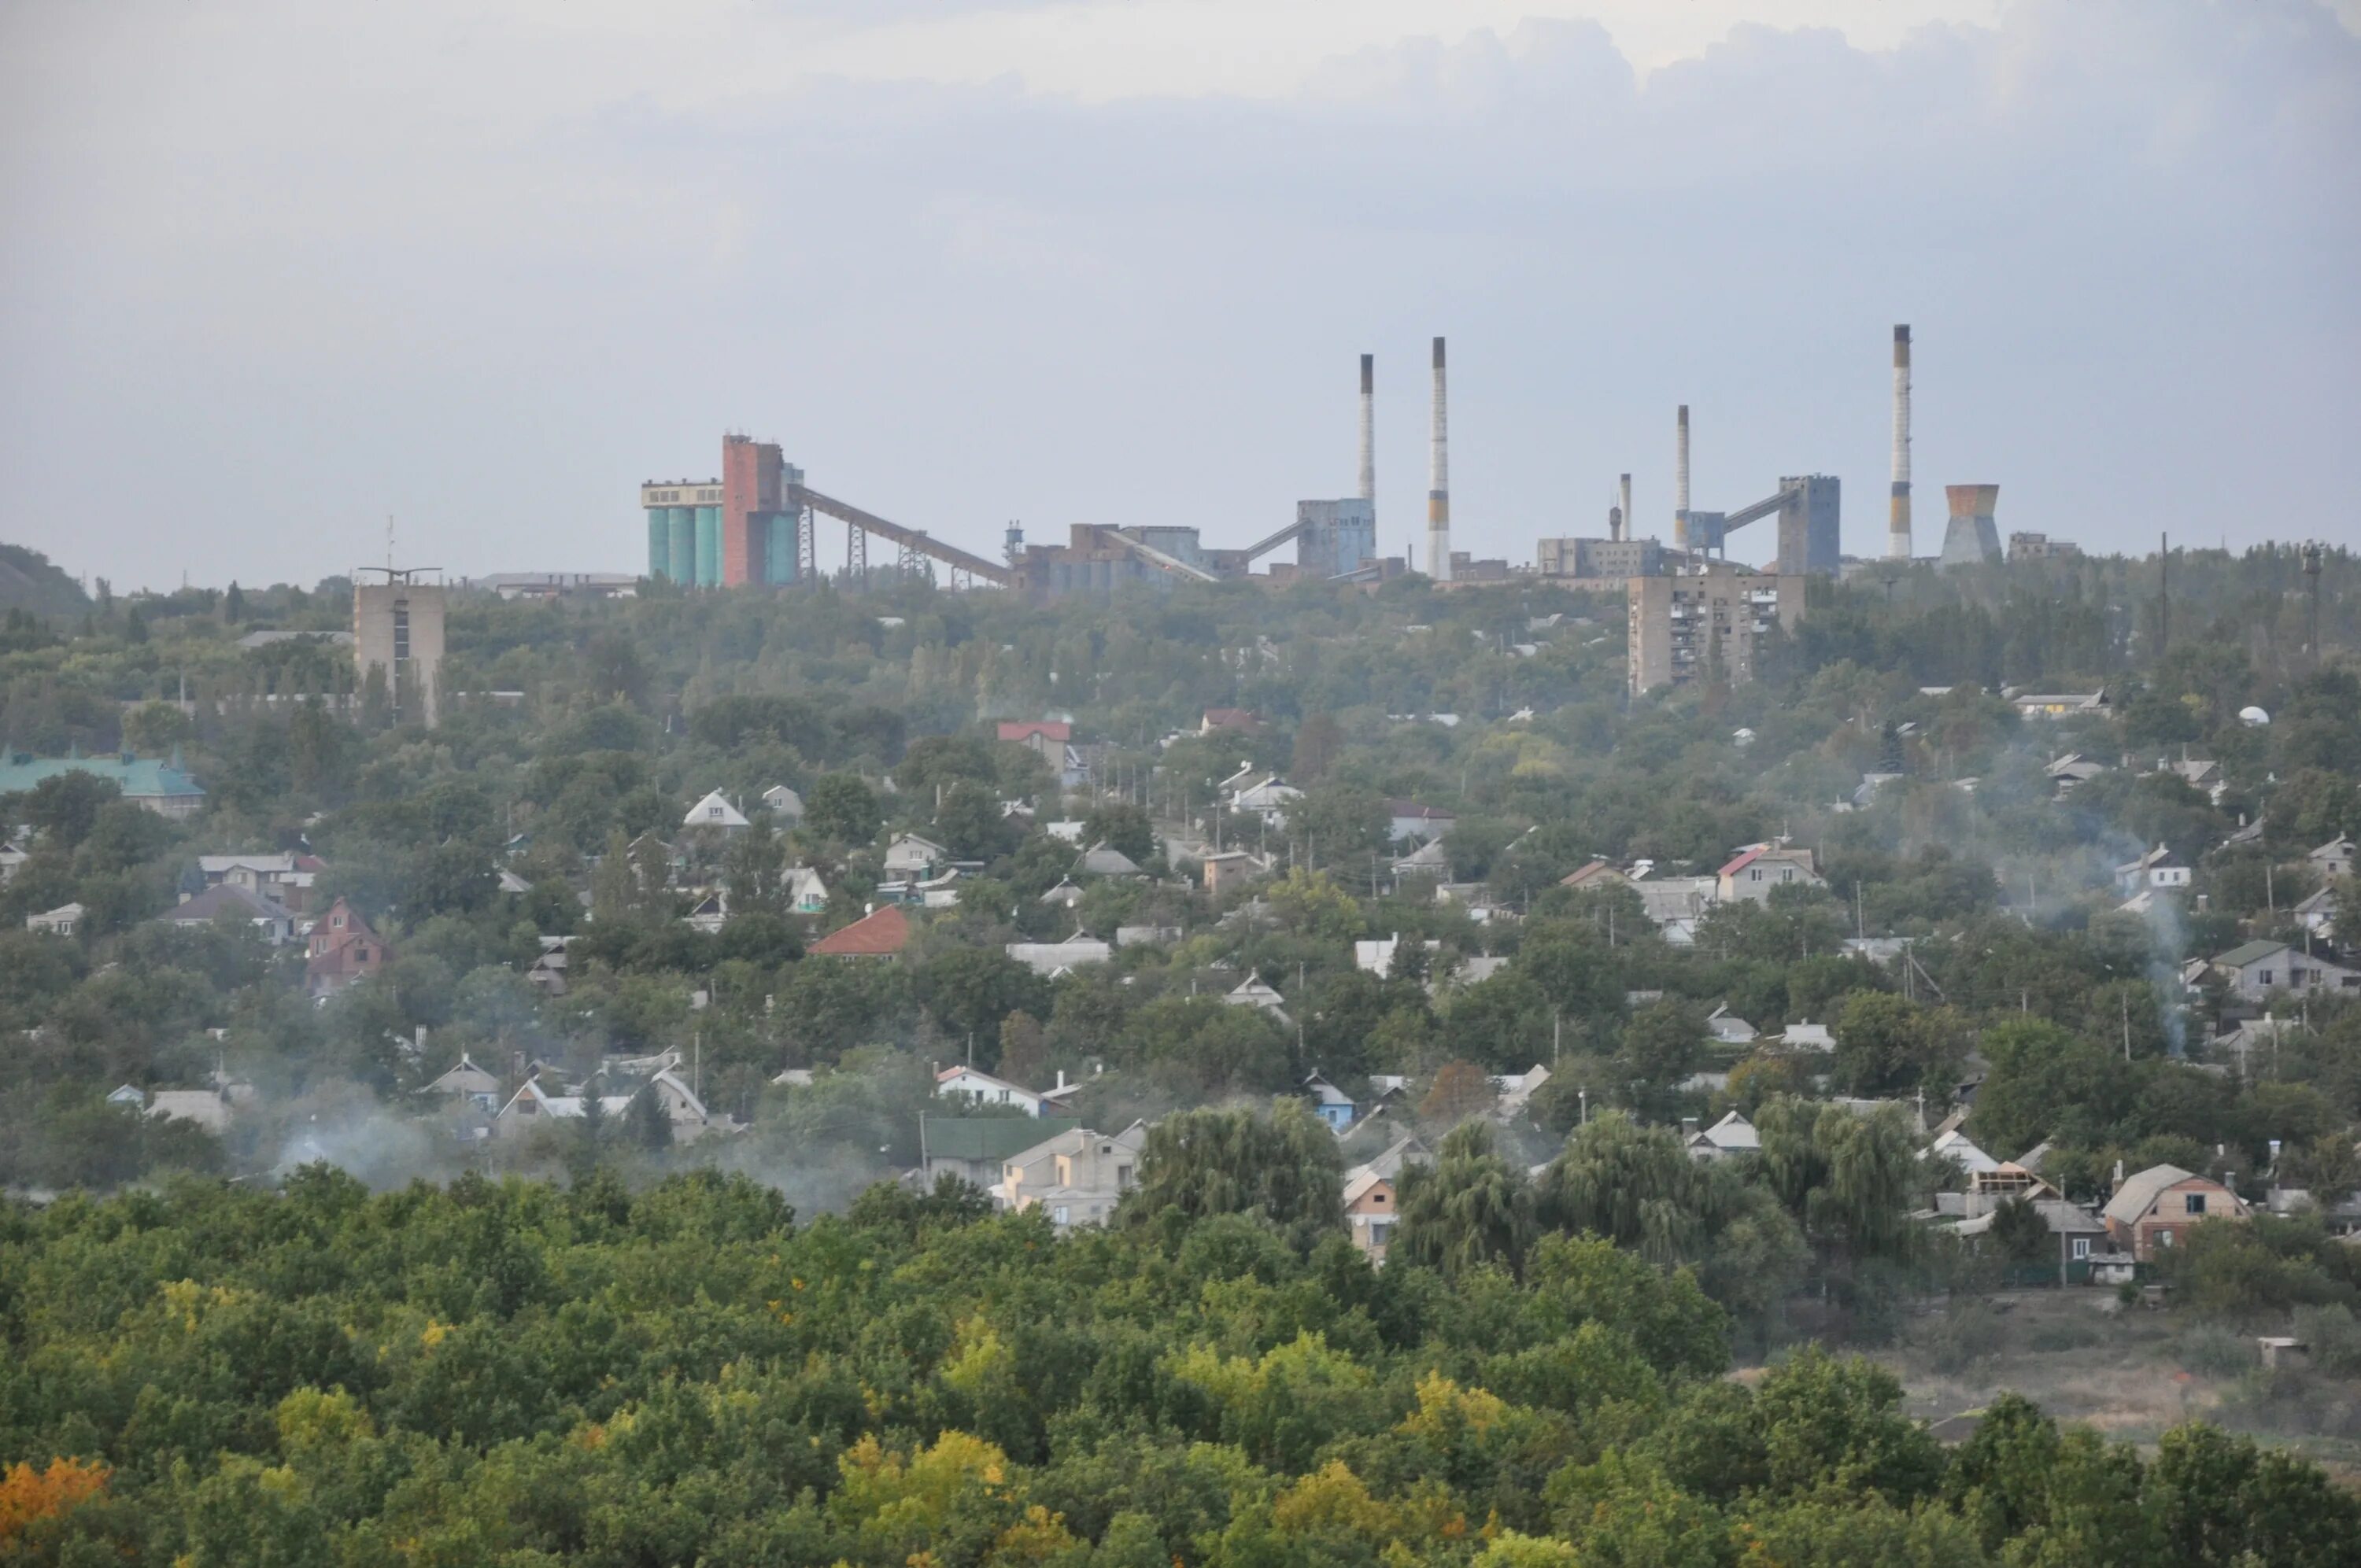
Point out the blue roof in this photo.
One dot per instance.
(138, 777)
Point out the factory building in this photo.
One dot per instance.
(1335, 538)
(2041, 547)
(1603, 561)
(728, 531)
(397, 631)
(1681, 627)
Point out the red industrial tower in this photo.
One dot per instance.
(754, 490)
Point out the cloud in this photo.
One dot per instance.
(265, 286)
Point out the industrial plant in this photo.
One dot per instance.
(757, 524)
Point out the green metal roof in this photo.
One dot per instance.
(990, 1137)
(2246, 953)
(139, 776)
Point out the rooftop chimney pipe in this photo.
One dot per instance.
(1897, 527)
(1681, 482)
(1370, 429)
(1438, 485)
(1623, 528)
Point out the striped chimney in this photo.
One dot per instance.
(1438, 484)
(1897, 527)
(1370, 429)
(1623, 529)
(1681, 481)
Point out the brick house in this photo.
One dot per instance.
(2155, 1209)
(343, 950)
(1369, 1212)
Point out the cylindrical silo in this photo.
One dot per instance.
(680, 523)
(659, 542)
(708, 547)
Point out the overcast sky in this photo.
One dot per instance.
(272, 269)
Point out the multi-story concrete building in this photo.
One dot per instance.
(1685, 626)
(398, 629)
(1610, 560)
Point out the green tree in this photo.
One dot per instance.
(1123, 827)
(971, 990)
(1282, 1166)
(1471, 1208)
(841, 809)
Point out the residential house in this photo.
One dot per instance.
(980, 1088)
(2253, 970)
(2155, 1209)
(11, 857)
(1601, 873)
(2080, 1235)
(127, 1095)
(208, 1108)
(710, 912)
(786, 806)
(547, 974)
(1253, 991)
(1104, 860)
(2331, 860)
(2059, 704)
(882, 933)
(1268, 798)
(467, 1082)
(1235, 720)
(715, 814)
(1330, 1104)
(1728, 1028)
(1806, 1035)
(1431, 859)
(1674, 905)
(2198, 774)
(275, 876)
(977, 1149)
(1369, 1208)
(1516, 1090)
(2071, 769)
(1045, 738)
(690, 1116)
(1053, 959)
(1231, 868)
(236, 902)
(2317, 914)
(164, 788)
(913, 857)
(1759, 868)
(2158, 870)
(807, 895)
(1067, 830)
(1477, 967)
(1412, 822)
(1065, 895)
(1731, 1136)
(1146, 936)
(1955, 1146)
(342, 950)
(63, 921)
(531, 1105)
(1402, 1152)
(1076, 1177)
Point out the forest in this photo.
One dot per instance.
(329, 1330)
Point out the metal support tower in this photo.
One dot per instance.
(806, 547)
(856, 555)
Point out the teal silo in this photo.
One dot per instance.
(680, 523)
(708, 547)
(659, 542)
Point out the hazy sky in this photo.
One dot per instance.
(269, 271)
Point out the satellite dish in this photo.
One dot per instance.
(2253, 718)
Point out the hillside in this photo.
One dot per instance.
(30, 581)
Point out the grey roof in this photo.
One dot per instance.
(2132, 1200)
(230, 897)
(2246, 953)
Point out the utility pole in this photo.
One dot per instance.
(2125, 997)
(2312, 592)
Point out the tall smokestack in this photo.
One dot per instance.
(1681, 482)
(1897, 527)
(1624, 530)
(1438, 484)
(1370, 429)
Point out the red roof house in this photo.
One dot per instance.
(881, 933)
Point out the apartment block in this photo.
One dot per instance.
(1681, 626)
